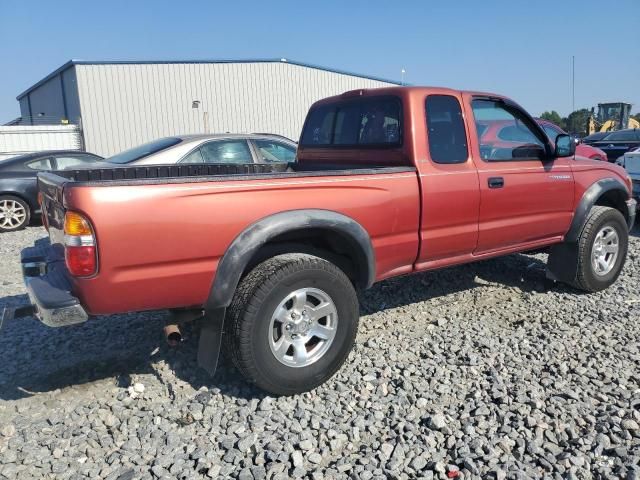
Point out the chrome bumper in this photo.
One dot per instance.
(49, 292)
(57, 312)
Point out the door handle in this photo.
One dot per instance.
(496, 182)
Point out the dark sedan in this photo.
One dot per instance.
(18, 183)
(616, 144)
(594, 137)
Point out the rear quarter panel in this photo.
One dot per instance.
(159, 245)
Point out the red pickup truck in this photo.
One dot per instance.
(387, 182)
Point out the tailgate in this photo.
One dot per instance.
(51, 188)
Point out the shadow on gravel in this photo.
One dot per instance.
(36, 359)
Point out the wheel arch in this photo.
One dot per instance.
(325, 233)
(608, 192)
(21, 196)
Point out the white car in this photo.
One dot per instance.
(219, 149)
(631, 163)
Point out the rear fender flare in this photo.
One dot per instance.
(249, 241)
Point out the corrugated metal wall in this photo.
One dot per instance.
(128, 104)
(18, 139)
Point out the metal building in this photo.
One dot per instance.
(122, 104)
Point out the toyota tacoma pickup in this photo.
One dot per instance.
(387, 182)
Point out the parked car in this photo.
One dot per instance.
(616, 144)
(582, 149)
(387, 182)
(630, 161)
(19, 185)
(594, 137)
(220, 149)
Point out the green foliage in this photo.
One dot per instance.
(576, 122)
(554, 117)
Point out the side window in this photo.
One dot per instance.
(507, 134)
(446, 132)
(193, 157)
(41, 164)
(226, 151)
(275, 151)
(352, 123)
(62, 163)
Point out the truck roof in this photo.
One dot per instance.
(403, 91)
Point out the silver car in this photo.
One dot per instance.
(221, 148)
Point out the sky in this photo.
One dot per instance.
(519, 48)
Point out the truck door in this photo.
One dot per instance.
(526, 196)
(448, 181)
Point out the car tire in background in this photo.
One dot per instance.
(602, 249)
(14, 213)
(292, 323)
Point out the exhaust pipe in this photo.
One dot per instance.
(173, 335)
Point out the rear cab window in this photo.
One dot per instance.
(355, 123)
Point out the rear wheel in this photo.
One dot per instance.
(14, 213)
(602, 249)
(292, 323)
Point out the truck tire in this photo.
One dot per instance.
(602, 249)
(14, 213)
(292, 323)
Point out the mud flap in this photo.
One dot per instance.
(211, 339)
(562, 264)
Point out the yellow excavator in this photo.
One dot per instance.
(611, 116)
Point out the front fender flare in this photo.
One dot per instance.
(588, 200)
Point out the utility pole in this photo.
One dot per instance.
(573, 83)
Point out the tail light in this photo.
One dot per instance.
(79, 246)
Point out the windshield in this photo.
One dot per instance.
(143, 150)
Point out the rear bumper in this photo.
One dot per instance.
(49, 291)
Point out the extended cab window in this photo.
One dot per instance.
(505, 133)
(446, 133)
(355, 123)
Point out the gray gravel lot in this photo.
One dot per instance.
(485, 370)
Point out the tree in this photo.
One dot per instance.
(636, 116)
(553, 117)
(576, 122)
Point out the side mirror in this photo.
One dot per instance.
(565, 146)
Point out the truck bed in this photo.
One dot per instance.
(162, 230)
(211, 172)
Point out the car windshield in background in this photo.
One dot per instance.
(144, 150)
(354, 123)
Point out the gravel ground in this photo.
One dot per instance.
(480, 371)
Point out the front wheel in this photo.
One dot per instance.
(602, 249)
(292, 323)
